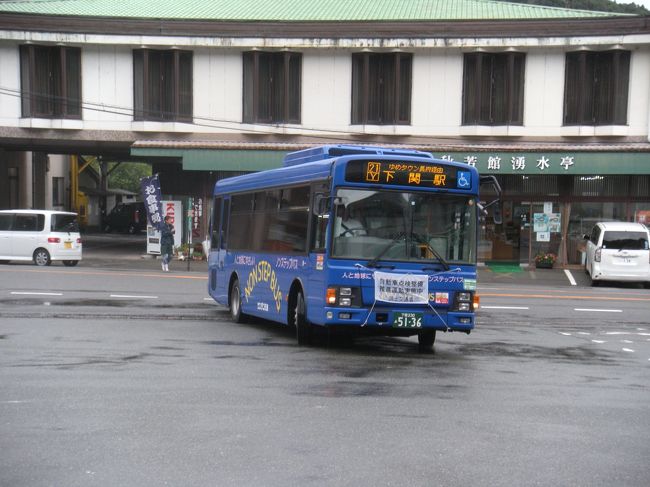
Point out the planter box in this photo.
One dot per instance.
(544, 265)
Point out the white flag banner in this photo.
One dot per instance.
(401, 288)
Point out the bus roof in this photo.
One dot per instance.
(329, 151)
(312, 164)
(282, 176)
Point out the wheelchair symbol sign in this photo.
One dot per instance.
(464, 179)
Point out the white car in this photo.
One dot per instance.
(41, 236)
(618, 251)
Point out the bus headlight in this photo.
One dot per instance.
(343, 296)
(464, 301)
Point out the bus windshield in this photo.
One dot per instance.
(404, 226)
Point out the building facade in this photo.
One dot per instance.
(555, 102)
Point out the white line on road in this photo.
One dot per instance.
(599, 341)
(505, 307)
(35, 294)
(628, 350)
(599, 310)
(132, 296)
(570, 277)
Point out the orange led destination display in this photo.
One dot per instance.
(407, 173)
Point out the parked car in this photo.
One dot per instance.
(618, 251)
(126, 217)
(40, 235)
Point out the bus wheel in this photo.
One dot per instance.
(235, 303)
(425, 340)
(303, 328)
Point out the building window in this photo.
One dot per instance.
(596, 88)
(493, 88)
(50, 81)
(162, 84)
(381, 88)
(272, 87)
(58, 191)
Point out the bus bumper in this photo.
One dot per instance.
(389, 318)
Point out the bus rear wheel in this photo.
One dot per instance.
(303, 328)
(235, 303)
(426, 340)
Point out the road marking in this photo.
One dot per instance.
(599, 341)
(628, 350)
(558, 296)
(504, 307)
(25, 293)
(132, 296)
(570, 277)
(627, 341)
(599, 310)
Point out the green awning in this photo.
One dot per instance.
(216, 160)
(498, 162)
(549, 162)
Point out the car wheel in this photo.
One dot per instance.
(426, 340)
(42, 257)
(299, 314)
(133, 229)
(70, 263)
(235, 303)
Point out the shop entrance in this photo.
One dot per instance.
(528, 228)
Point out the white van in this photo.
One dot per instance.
(618, 251)
(39, 235)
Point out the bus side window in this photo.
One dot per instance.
(225, 220)
(216, 223)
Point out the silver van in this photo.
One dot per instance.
(618, 251)
(41, 236)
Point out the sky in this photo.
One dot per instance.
(645, 3)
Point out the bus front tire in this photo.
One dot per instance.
(426, 340)
(303, 328)
(235, 303)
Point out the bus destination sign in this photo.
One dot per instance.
(407, 173)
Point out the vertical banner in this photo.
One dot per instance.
(150, 189)
(197, 218)
(401, 288)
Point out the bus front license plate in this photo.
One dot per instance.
(407, 320)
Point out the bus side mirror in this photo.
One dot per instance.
(322, 205)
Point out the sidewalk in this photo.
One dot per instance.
(116, 251)
(555, 277)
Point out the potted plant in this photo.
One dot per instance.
(545, 260)
(182, 251)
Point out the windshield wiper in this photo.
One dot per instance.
(422, 241)
(389, 245)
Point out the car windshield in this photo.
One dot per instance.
(625, 240)
(64, 223)
(397, 226)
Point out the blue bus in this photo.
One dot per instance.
(370, 239)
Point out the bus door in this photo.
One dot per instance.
(320, 214)
(218, 248)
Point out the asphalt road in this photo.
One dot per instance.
(132, 377)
